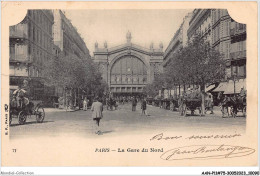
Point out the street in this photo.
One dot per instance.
(124, 121)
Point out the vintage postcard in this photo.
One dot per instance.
(129, 84)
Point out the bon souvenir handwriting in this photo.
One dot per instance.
(161, 136)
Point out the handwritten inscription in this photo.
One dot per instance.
(193, 152)
(161, 136)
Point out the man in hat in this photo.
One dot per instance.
(143, 107)
(209, 102)
(19, 95)
(85, 104)
(97, 114)
(134, 103)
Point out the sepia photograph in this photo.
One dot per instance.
(199, 75)
(129, 85)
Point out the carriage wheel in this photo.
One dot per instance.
(22, 117)
(40, 114)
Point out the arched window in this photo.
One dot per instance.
(126, 68)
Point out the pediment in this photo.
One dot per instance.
(128, 47)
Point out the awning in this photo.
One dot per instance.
(238, 85)
(221, 87)
(210, 87)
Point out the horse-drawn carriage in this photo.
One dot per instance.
(233, 105)
(26, 110)
(191, 104)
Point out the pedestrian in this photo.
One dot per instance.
(85, 104)
(209, 102)
(111, 103)
(242, 93)
(171, 105)
(143, 107)
(107, 102)
(134, 103)
(124, 99)
(97, 114)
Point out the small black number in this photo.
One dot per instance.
(14, 150)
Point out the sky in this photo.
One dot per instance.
(146, 26)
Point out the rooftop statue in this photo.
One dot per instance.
(161, 45)
(151, 46)
(105, 44)
(96, 45)
(128, 37)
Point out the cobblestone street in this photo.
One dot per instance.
(124, 121)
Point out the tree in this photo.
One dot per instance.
(73, 73)
(197, 64)
(206, 65)
(157, 84)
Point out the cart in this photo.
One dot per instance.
(191, 105)
(33, 108)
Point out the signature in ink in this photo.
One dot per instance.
(204, 152)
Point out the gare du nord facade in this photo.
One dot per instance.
(128, 68)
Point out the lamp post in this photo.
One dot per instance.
(234, 79)
(108, 82)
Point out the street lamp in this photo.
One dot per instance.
(108, 82)
(107, 69)
(234, 79)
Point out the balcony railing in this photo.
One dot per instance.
(19, 31)
(238, 55)
(236, 31)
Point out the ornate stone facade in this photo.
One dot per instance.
(179, 40)
(66, 36)
(31, 45)
(128, 68)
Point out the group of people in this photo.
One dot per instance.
(143, 105)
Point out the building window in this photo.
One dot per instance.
(228, 72)
(33, 13)
(241, 71)
(144, 80)
(12, 50)
(37, 37)
(12, 70)
(29, 48)
(40, 37)
(33, 32)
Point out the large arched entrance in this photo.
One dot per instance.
(128, 76)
